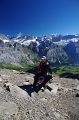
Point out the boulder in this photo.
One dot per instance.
(53, 87)
(16, 91)
(1, 89)
(5, 77)
(8, 108)
(0, 79)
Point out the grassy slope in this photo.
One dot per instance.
(23, 67)
(71, 71)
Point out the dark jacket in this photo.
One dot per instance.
(45, 67)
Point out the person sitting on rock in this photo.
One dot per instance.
(42, 70)
(45, 67)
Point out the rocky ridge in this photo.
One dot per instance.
(23, 48)
(15, 53)
(67, 45)
(18, 101)
(58, 49)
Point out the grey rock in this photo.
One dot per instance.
(14, 53)
(54, 87)
(57, 115)
(17, 91)
(44, 105)
(8, 108)
(1, 89)
(0, 79)
(26, 83)
(5, 77)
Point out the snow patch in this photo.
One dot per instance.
(4, 40)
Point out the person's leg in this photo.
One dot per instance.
(47, 78)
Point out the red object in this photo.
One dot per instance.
(40, 80)
(39, 66)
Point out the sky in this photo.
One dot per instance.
(39, 17)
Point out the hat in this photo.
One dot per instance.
(44, 57)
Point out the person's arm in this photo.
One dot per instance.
(39, 66)
(49, 68)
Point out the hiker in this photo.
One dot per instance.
(44, 66)
(42, 71)
(37, 72)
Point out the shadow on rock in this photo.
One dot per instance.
(32, 70)
(27, 88)
(70, 75)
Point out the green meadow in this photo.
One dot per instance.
(22, 67)
(67, 71)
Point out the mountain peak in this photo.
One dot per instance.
(4, 38)
(18, 35)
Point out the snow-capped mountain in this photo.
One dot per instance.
(43, 45)
(64, 40)
(61, 40)
(4, 38)
(24, 39)
(55, 38)
(52, 46)
(15, 53)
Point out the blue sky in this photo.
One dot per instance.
(39, 17)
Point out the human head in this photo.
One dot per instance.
(41, 59)
(44, 58)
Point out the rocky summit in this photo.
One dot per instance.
(18, 101)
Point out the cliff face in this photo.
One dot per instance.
(15, 53)
(18, 100)
(72, 50)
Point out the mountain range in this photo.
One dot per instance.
(59, 49)
(15, 53)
